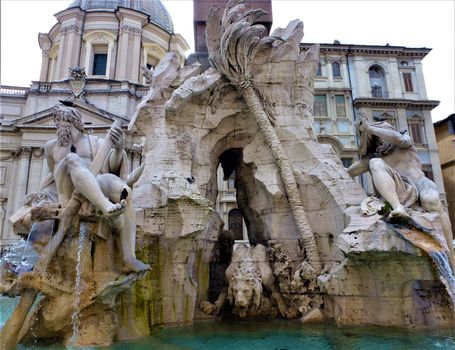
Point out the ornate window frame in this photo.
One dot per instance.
(152, 50)
(385, 88)
(98, 37)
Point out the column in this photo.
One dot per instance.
(2, 218)
(35, 170)
(44, 65)
(88, 55)
(9, 205)
(110, 54)
(22, 177)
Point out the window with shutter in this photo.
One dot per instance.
(407, 79)
(320, 106)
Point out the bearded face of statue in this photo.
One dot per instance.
(69, 123)
(64, 134)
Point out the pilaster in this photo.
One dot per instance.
(421, 88)
(2, 218)
(129, 47)
(72, 21)
(433, 151)
(122, 55)
(136, 55)
(72, 34)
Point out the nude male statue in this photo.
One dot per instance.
(396, 170)
(69, 156)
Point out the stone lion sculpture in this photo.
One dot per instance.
(249, 278)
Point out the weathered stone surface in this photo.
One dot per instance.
(366, 263)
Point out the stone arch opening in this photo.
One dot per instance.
(232, 162)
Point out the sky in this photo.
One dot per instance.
(410, 23)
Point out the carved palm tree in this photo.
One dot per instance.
(233, 40)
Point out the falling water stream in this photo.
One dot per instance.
(78, 285)
(446, 275)
(437, 253)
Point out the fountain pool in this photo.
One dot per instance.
(272, 335)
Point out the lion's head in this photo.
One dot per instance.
(245, 290)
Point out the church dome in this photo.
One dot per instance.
(154, 8)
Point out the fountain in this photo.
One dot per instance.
(319, 249)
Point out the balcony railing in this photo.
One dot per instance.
(19, 91)
(379, 93)
(45, 87)
(63, 86)
(142, 90)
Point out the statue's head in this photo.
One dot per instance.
(66, 118)
(369, 144)
(245, 291)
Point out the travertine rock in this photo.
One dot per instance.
(205, 123)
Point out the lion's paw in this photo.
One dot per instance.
(207, 308)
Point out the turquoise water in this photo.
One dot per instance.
(273, 335)
(288, 335)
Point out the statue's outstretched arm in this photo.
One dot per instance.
(391, 136)
(117, 155)
(358, 168)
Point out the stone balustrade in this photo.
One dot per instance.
(6, 90)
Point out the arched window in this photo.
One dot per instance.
(336, 70)
(235, 223)
(377, 82)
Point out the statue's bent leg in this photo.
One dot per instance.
(117, 190)
(429, 199)
(63, 182)
(87, 184)
(386, 186)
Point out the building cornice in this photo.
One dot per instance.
(70, 13)
(403, 103)
(371, 49)
(123, 13)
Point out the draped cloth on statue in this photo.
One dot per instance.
(406, 188)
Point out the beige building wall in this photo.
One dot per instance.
(445, 136)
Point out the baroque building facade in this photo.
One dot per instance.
(107, 42)
(387, 82)
(112, 39)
